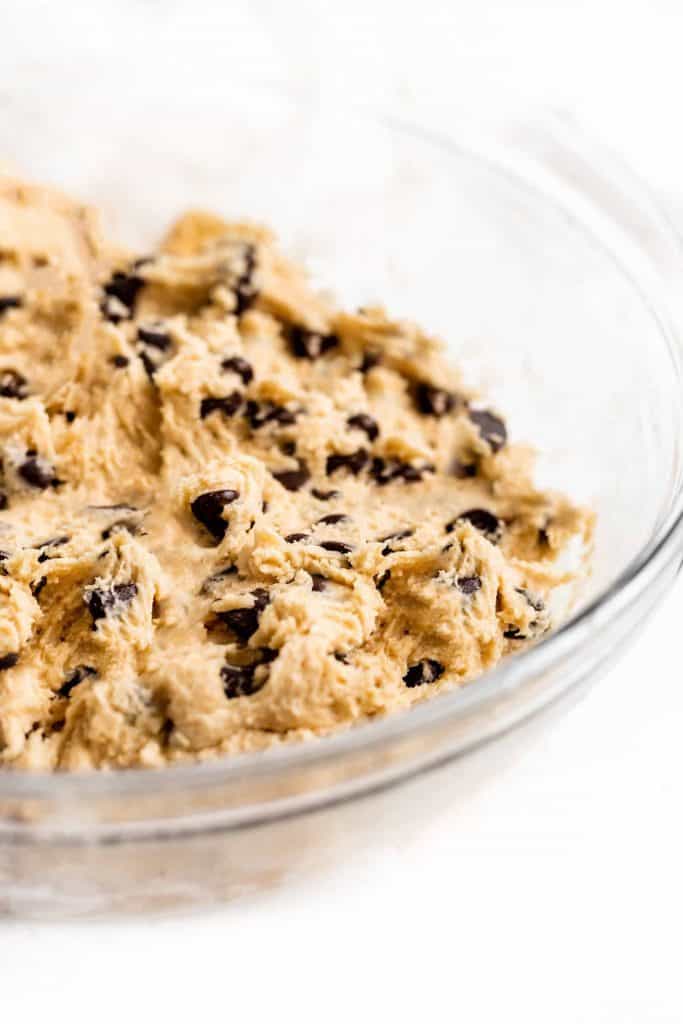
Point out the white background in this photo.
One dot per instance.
(555, 894)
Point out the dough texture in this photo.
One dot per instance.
(232, 515)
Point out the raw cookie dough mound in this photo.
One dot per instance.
(232, 515)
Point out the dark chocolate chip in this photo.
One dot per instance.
(341, 657)
(119, 361)
(56, 542)
(3, 501)
(4, 555)
(240, 366)
(155, 337)
(369, 361)
(354, 462)
(37, 472)
(77, 676)
(491, 427)
(338, 546)
(432, 401)
(334, 518)
(227, 405)
(244, 621)
(386, 471)
(293, 479)
(480, 518)
(8, 661)
(244, 288)
(216, 577)
(123, 289)
(463, 470)
(208, 510)
(325, 495)
(296, 538)
(319, 582)
(426, 671)
(69, 416)
(238, 681)
(310, 344)
(258, 415)
(9, 302)
(514, 633)
(469, 584)
(401, 535)
(381, 581)
(37, 588)
(362, 421)
(105, 601)
(288, 447)
(267, 654)
(13, 384)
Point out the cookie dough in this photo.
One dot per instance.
(232, 515)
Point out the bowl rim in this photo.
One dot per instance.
(529, 149)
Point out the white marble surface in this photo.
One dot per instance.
(555, 894)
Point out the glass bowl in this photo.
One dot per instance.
(555, 282)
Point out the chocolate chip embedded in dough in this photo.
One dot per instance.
(74, 678)
(319, 582)
(38, 472)
(462, 470)
(120, 294)
(386, 471)
(333, 519)
(481, 519)
(208, 510)
(433, 401)
(3, 501)
(469, 584)
(363, 421)
(108, 602)
(514, 633)
(240, 366)
(259, 414)
(54, 542)
(13, 385)
(119, 361)
(491, 427)
(426, 671)
(245, 621)
(239, 681)
(9, 302)
(155, 337)
(311, 344)
(293, 479)
(297, 538)
(369, 361)
(400, 535)
(325, 495)
(337, 546)
(354, 462)
(245, 288)
(381, 581)
(228, 405)
(8, 661)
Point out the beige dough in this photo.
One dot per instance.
(231, 515)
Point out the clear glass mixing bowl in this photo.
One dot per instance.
(554, 280)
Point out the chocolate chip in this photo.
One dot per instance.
(258, 415)
(288, 447)
(4, 555)
(208, 510)
(401, 535)
(341, 657)
(77, 676)
(325, 495)
(354, 462)
(463, 470)
(469, 584)
(13, 384)
(310, 344)
(319, 582)
(426, 671)
(37, 588)
(491, 427)
(227, 405)
(245, 289)
(362, 421)
(69, 417)
(267, 654)
(532, 600)
(56, 542)
(3, 501)
(480, 518)
(239, 366)
(244, 621)
(432, 401)
(120, 294)
(386, 471)
(238, 681)
(8, 661)
(9, 302)
(334, 518)
(119, 361)
(38, 472)
(338, 546)
(296, 538)
(105, 601)
(293, 479)
(155, 337)
(381, 581)
(514, 633)
(369, 361)
(216, 577)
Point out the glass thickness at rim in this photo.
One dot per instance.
(617, 211)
